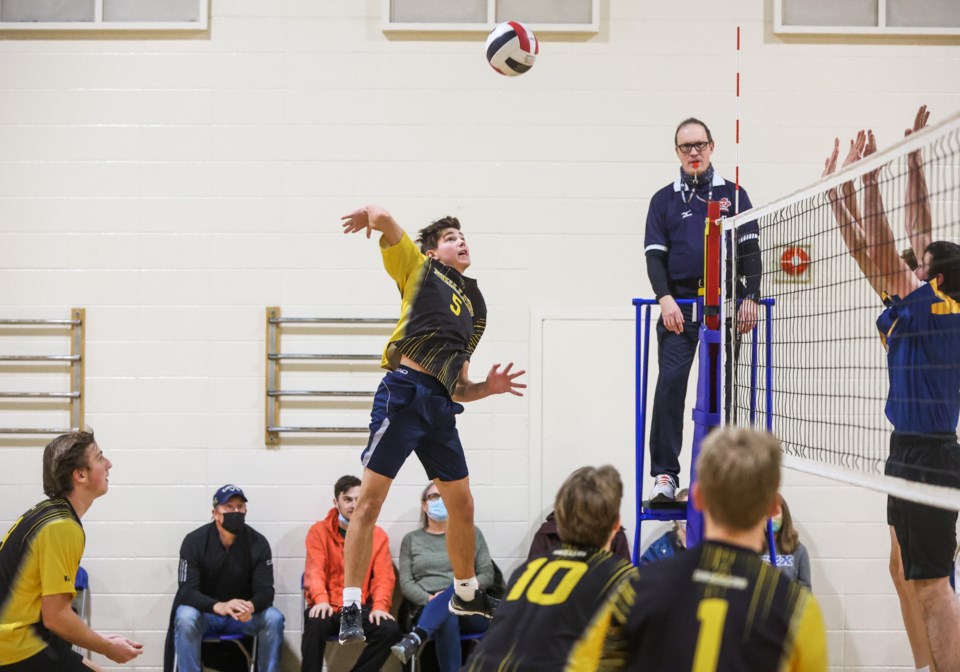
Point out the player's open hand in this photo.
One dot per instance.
(369, 218)
(914, 159)
(499, 381)
(830, 163)
(870, 147)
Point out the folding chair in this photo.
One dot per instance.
(81, 604)
(250, 656)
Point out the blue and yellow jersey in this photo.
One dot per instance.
(39, 556)
(442, 313)
(922, 335)
(550, 600)
(713, 607)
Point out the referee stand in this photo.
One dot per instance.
(708, 411)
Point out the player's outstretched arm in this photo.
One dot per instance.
(896, 276)
(918, 220)
(498, 381)
(843, 202)
(372, 218)
(61, 620)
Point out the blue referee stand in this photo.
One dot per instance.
(708, 411)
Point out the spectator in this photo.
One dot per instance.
(226, 587)
(426, 579)
(792, 557)
(323, 586)
(547, 538)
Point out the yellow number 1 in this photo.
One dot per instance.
(712, 614)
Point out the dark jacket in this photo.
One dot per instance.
(547, 538)
(665, 546)
(209, 574)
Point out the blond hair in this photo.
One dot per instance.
(739, 475)
(588, 506)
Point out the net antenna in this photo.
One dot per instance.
(820, 379)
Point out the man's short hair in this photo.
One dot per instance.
(687, 122)
(429, 236)
(739, 475)
(343, 484)
(946, 261)
(61, 457)
(588, 506)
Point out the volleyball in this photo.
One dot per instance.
(512, 48)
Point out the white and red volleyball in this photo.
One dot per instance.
(512, 48)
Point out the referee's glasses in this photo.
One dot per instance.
(686, 148)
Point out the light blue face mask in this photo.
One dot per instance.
(343, 521)
(777, 524)
(437, 510)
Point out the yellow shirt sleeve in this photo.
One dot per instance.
(810, 641)
(59, 547)
(402, 260)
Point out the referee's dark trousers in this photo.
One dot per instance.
(675, 354)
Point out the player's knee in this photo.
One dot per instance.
(367, 510)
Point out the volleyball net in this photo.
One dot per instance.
(815, 371)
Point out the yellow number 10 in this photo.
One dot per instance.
(535, 594)
(712, 614)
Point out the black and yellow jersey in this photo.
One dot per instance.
(442, 313)
(39, 556)
(549, 602)
(714, 607)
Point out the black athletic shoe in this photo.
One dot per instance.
(351, 625)
(406, 649)
(481, 605)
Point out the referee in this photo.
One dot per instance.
(673, 245)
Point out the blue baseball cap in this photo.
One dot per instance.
(223, 495)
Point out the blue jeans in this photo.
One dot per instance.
(191, 627)
(445, 628)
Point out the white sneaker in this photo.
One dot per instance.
(664, 489)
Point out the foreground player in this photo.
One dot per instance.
(442, 318)
(39, 558)
(921, 332)
(718, 606)
(552, 598)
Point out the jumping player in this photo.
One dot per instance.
(442, 318)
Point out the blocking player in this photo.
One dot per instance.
(39, 558)
(442, 318)
(718, 606)
(552, 598)
(920, 328)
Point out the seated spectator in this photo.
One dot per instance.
(551, 599)
(426, 580)
(547, 538)
(323, 586)
(226, 587)
(792, 557)
(669, 543)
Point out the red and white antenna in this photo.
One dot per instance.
(736, 192)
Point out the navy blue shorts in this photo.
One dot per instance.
(927, 535)
(412, 412)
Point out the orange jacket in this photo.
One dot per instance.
(323, 575)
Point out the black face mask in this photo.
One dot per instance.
(233, 521)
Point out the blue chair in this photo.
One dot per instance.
(81, 604)
(250, 655)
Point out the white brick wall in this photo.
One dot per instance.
(175, 187)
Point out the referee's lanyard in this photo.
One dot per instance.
(686, 201)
